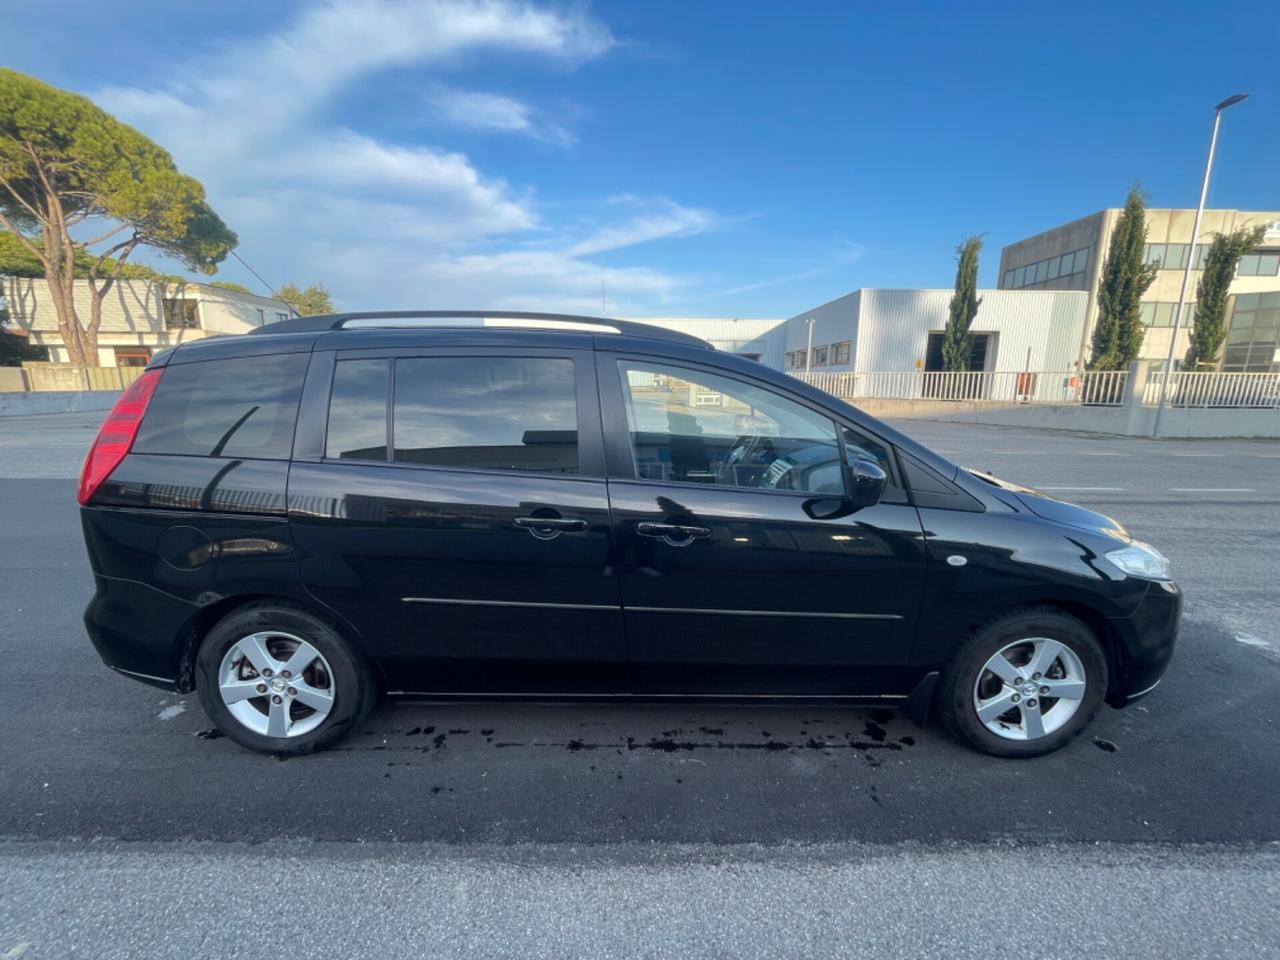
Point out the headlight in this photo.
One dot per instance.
(1140, 559)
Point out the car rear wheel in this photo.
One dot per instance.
(1024, 684)
(278, 679)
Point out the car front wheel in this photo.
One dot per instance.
(278, 679)
(1024, 684)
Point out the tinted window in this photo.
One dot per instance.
(695, 427)
(493, 413)
(358, 410)
(238, 407)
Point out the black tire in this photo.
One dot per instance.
(955, 701)
(351, 681)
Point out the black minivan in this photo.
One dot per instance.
(540, 506)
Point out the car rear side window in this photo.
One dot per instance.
(491, 413)
(358, 410)
(241, 407)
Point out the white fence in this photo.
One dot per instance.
(1104, 388)
(1187, 389)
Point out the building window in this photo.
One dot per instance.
(1173, 256)
(262, 316)
(132, 356)
(791, 359)
(179, 313)
(282, 316)
(840, 353)
(1155, 313)
(1042, 271)
(1259, 265)
(802, 359)
(819, 356)
(1253, 338)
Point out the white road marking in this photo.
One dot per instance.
(1099, 453)
(168, 713)
(1213, 490)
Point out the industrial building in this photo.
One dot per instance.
(1070, 257)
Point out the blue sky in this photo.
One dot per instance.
(699, 158)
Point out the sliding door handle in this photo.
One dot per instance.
(548, 528)
(675, 534)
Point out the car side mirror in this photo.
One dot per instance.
(865, 480)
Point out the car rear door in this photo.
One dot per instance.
(456, 513)
(743, 570)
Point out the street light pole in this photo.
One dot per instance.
(1191, 259)
(808, 350)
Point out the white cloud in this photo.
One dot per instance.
(477, 110)
(388, 222)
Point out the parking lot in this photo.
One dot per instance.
(631, 790)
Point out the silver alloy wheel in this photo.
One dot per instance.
(1029, 688)
(276, 684)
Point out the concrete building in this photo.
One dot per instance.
(1070, 257)
(138, 317)
(873, 330)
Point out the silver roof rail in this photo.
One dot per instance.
(497, 319)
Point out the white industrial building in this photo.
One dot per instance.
(758, 339)
(873, 330)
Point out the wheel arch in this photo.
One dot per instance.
(203, 620)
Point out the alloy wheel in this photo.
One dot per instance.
(276, 684)
(1029, 688)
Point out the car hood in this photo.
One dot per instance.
(1056, 511)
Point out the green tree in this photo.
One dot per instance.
(957, 341)
(314, 301)
(14, 348)
(66, 164)
(228, 285)
(1117, 335)
(1220, 262)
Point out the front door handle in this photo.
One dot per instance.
(548, 528)
(675, 534)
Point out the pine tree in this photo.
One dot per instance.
(1209, 329)
(957, 341)
(1117, 335)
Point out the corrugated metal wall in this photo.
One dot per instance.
(731, 334)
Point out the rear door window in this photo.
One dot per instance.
(242, 407)
(358, 410)
(489, 413)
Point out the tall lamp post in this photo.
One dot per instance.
(1191, 259)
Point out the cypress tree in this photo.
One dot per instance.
(1117, 335)
(1209, 329)
(957, 341)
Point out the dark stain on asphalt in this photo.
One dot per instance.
(438, 741)
(874, 799)
(459, 731)
(874, 731)
(907, 741)
(487, 733)
(1105, 745)
(712, 731)
(576, 745)
(211, 734)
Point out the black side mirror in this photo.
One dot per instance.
(865, 480)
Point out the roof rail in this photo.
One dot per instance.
(392, 319)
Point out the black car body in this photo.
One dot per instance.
(565, 512)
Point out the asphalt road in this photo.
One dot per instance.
(718, 828)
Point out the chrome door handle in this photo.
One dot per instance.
(548, 528)
(675, 534)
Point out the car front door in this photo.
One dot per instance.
(458, 518)
(744, 569)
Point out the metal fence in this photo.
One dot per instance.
(1103, 388)
(1212, 389)
(64, 376)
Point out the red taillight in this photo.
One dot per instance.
(116, 435)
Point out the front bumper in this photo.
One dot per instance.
(1147, 639)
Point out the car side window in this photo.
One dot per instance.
(358, 410)
(491, 413)
(689, 426)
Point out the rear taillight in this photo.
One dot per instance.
(116, 435)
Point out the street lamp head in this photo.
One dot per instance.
(1230, 101)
